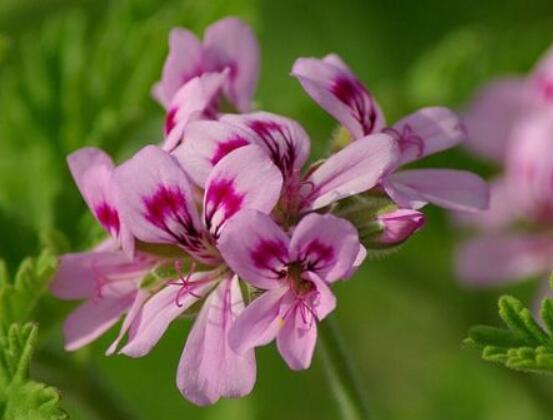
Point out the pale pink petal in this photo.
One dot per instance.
(209, 369)
(336, 89)
(260, 322)
(505, 208)
(283, 139)
(132, 314)
(92, 170)
(156, 199)
(503, 258)
(93, 318)
(197, 99)
(256, 248)
(244, 179)
(207, 142)
(230, 43)
(542, 76)
(324, 301)
(493, 113)
(530, 165)
(86, 274)
(359, 259)
(296, 340)
(448, 188)
(326, 244)
(162, 309)
(427, 131)
(184, 62)
(354, 169)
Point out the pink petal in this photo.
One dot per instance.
(207, 142)
(255, 247)
(230, 43)
(209, 369)
(93, 318)
(156, 199)
(87, 274)
(542, 76)
(354, 169)
(260, 322)
(327, 244)
(196, 99)
(503, 258)
(184, 62)
(162, 309)
(491, 116)
(448, 188)
(283, 139)
(505, 208)
(296, 340)
(244, 179)
(427, 131)
(336, 89)
(132, 314)
(325, 301)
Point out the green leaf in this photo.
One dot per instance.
(524, 345)
(19, 298)
(20, 397)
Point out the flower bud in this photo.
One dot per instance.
(398, 226)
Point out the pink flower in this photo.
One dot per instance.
(355, 169)
(511, 121)
(158, 203)
(228, 44)
(501, 105)
(337, 90)
(295, 272)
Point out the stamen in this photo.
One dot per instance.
(186, 286)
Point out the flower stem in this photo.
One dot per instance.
(341, 375)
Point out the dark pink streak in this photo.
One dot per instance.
(170, 120)
(352, 93)
(406, 139)
(222, 195)
(279, 142)
(108, 217)
(225, 148)
(317, 255)
(267, 252)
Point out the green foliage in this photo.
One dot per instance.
(20, 397)
(19, 298)
(524, 345)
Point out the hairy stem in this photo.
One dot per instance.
(341, 375)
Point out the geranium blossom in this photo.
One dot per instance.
(331, 83)
(511, 122)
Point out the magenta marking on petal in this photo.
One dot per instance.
(228, 146)
(407, 139)
(545, 85)
(266, 252)
(167, 209)
(222, 195)
(268, 132)
(108, 217)
(316, 255)
(170, 120)
(352, 93)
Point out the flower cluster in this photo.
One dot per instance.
(511, 122)
(223, 221)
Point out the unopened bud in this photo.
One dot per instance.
(398, 226)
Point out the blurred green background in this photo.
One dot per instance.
(75, 73)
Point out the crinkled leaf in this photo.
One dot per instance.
(524, 345)
(19, 298)
(20, 397)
